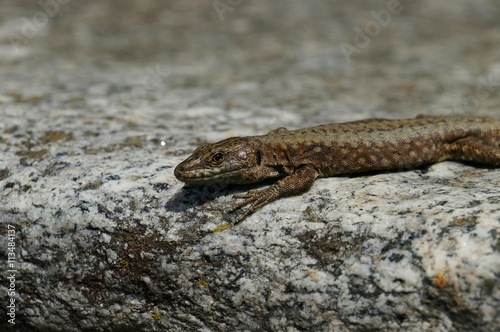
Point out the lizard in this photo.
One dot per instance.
(296, 158)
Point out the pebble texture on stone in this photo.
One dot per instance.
(100, 101)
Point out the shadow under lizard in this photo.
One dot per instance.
(296, 158)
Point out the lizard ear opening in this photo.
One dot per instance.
(258, 158)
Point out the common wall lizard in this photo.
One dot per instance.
(297, 157)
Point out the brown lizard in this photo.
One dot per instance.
(298, 157)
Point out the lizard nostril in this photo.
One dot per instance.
(179, 170)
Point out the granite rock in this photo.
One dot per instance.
(100, 101)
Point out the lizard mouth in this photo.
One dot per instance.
(201, 176)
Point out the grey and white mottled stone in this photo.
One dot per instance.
(100, 105)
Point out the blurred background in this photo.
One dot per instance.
(318, 60)
(100, 100)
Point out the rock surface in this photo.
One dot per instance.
(99, 101)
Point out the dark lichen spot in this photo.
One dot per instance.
(496, 245)
(16, 94)
(4, 173)
(32, 154)
(54, 136)
(34, 99)
(161, 186)
(132, 205)
(102, 209)
(54, 168)
(11, 130)
(395, 258)
(92, 185)
(75, 99)
(474, 204)
(464, 222)
(89, 133)
(135, 142)
(100, 150)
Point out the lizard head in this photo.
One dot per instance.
(233, 160)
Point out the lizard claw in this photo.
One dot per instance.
(251, 193)
(256, 199)
(249, 197)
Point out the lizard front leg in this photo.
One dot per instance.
(297, 182)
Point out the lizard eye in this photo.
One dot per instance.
(218, 158)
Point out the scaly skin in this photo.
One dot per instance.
(298, 157)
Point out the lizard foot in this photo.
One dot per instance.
(297, 182)
(256, 198)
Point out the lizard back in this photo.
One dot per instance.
(378, 144)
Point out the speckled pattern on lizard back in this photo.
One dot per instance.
(298, 157)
